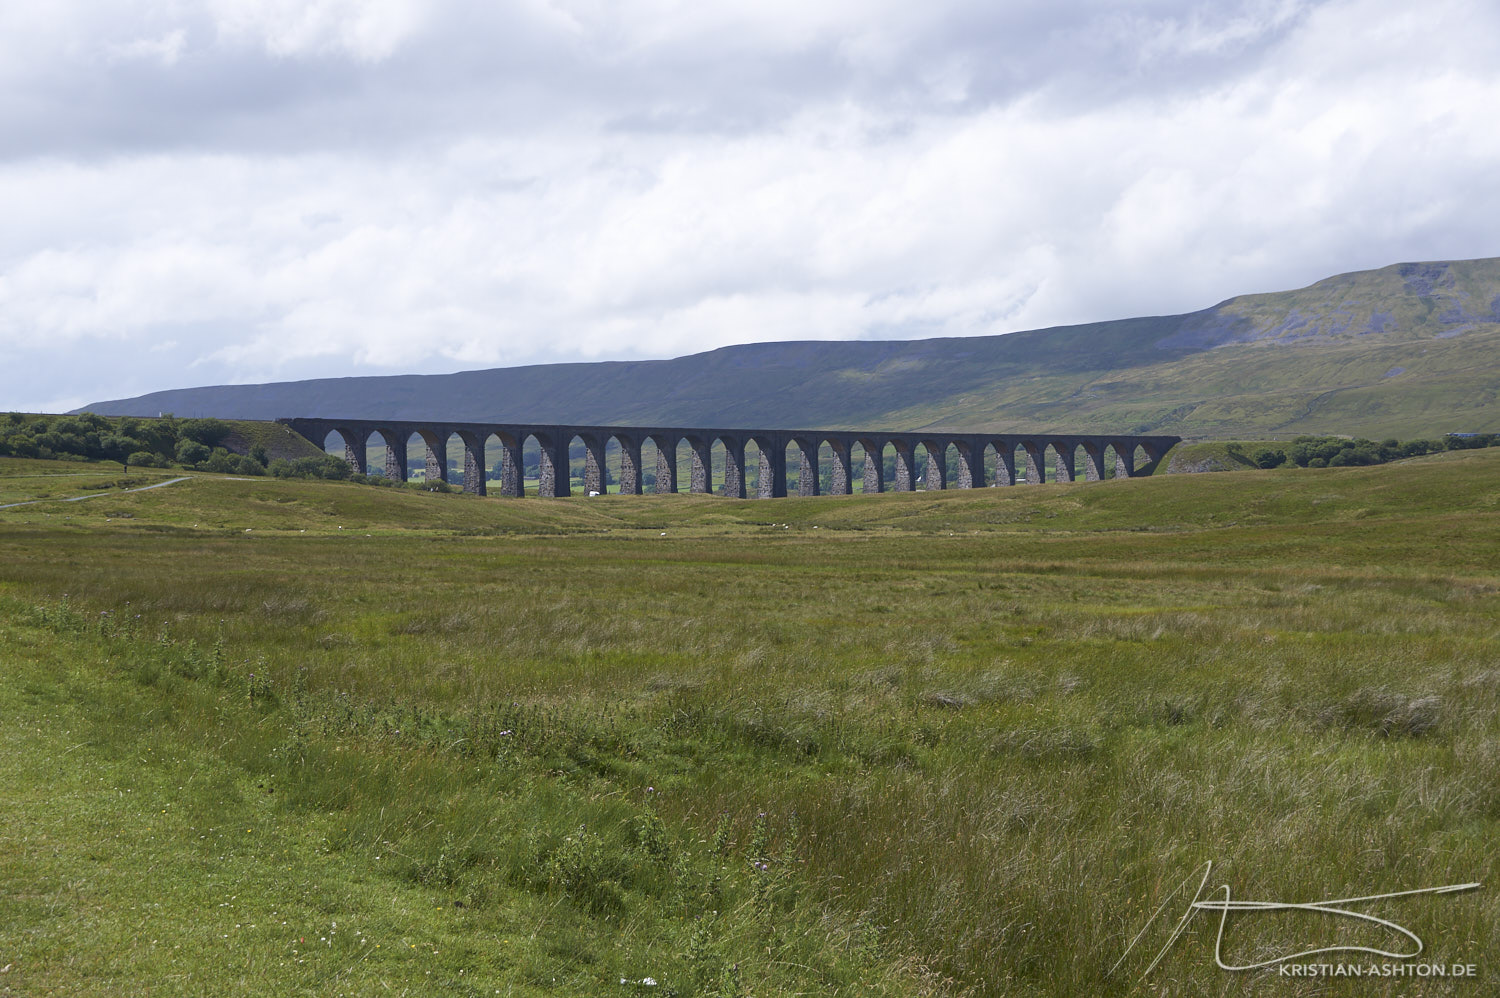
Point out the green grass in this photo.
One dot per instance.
(279, 441)
(513, 741)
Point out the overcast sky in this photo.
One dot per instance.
(254, 190)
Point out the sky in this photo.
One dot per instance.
(233, 191)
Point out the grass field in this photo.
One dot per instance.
(287, 737)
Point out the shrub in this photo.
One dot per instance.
(208, 432)
(1268, 458)
(192, 452)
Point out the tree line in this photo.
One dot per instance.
(166, 442)
(1339, 452)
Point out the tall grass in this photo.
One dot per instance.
(771, 759)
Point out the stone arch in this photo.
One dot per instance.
(475, 474)
(770, 477)
(665, 445)
(700, 449)
(552, 479)
(632, 480)
(904, 478)
(734, 465)
(806, 451)
(934, 467)
(595, 469)
(1124, 458)
(436, 443)
(1036, 460)
(873, 470)
(393, 463)
(1063, 454)
(509, 470)
(1004, 464)
(840, 464)
(1094, 469)
(350, 442)
(1154, 451)
(968, 469)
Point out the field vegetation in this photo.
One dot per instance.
(286, 736)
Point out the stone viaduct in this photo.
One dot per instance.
(555, 441)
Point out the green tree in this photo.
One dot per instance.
(209, 432)
(190, 452)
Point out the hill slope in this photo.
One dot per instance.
(1406, 350)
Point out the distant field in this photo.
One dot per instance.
(282, 737)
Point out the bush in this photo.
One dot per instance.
(190, 452)
(208, 432)
(1268, 458)
(143, 459)
(326, 466)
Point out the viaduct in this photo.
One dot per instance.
(555, 442)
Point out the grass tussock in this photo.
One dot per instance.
(745, 761)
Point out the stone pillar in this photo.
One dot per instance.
(874, 466)
(474, 469)
(630, 466)
(970, 464)
(395, 456)
(1124, 459)
(666, 465)
(772, 481)
(1093, 461)
(734, 467)
(437, 457)
(512, 472)
(808, 481)
(356, 448)
(1036, 462)
(935, 475)
(839, 483)
(593, 465)
(553, 480)
(701, 478)
(1064, 454)
(904, 461)
(1005, 462)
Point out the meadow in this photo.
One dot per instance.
(303, 737)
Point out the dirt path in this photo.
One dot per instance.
(95, 495)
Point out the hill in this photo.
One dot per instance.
(1405, 351)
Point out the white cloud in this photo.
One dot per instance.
(367, 30)
(247, 191)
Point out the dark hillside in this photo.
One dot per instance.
(1405, 351)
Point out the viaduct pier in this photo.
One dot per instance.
(555, 441)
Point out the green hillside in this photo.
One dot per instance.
(271, 737)
(1404, 351)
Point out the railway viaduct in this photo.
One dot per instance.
(555, 442)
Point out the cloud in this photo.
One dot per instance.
(288, 190)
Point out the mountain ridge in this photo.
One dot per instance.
(1404, 350)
